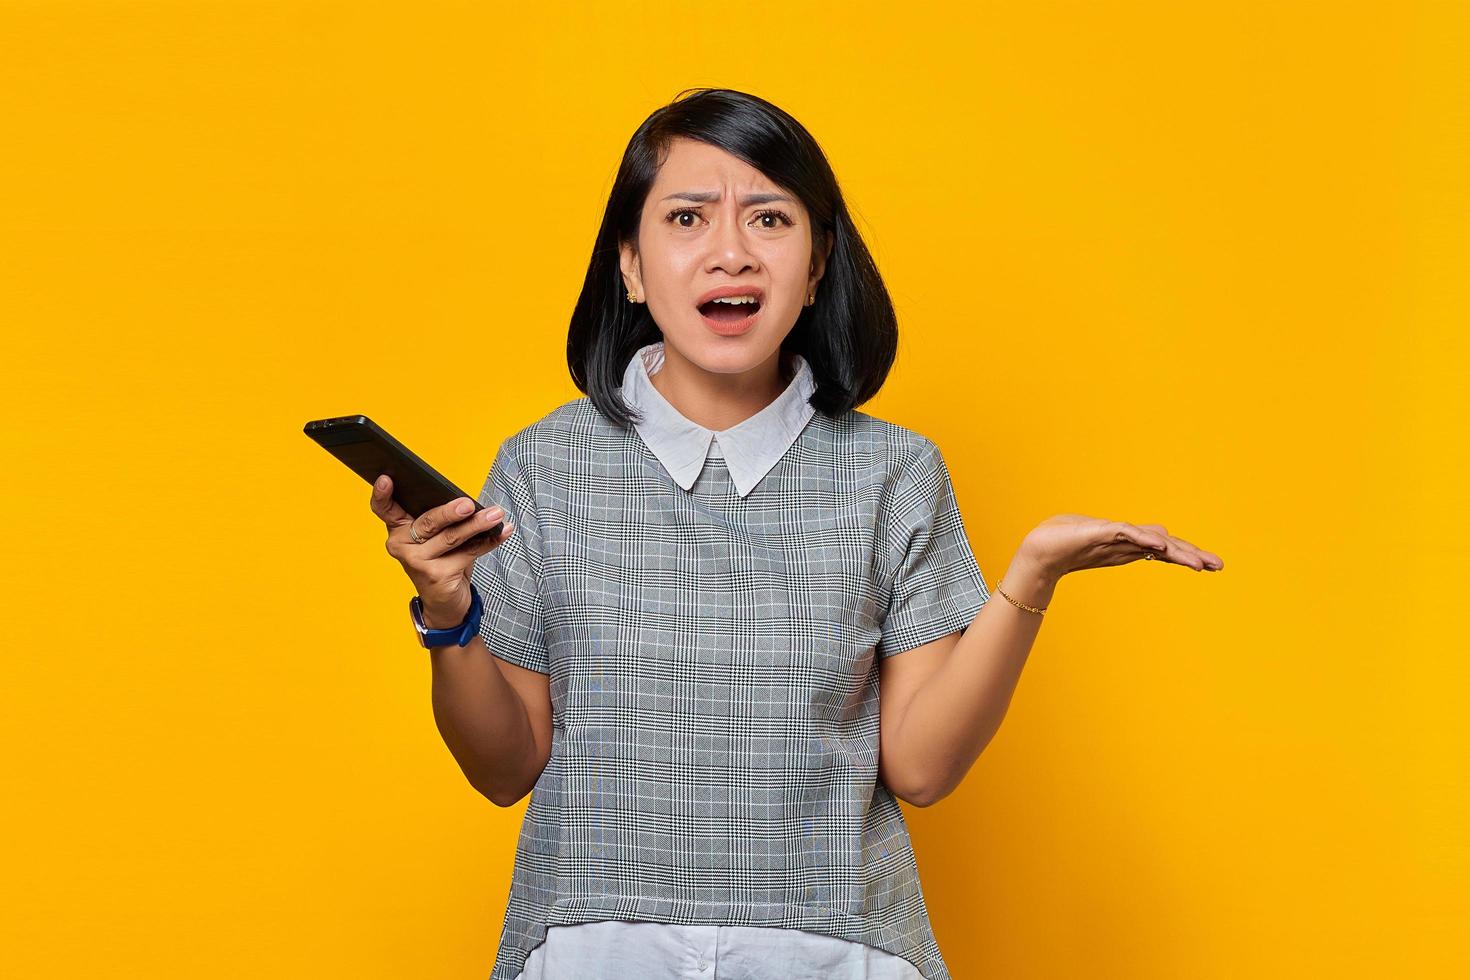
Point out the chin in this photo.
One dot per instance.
(732, 355)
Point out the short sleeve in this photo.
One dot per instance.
(508, 577)
(936, 585)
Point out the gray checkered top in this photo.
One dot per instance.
(713, 673)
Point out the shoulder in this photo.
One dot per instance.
(572, 445)
(905, 471)
(549, 437)
(887, 448)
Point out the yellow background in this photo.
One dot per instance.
(1196, 264)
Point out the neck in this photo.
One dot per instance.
(718, 401)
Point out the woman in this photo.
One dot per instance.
(711, 564)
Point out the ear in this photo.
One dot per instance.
(632, 270)
(820, 254)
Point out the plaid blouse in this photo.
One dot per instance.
(711, 627)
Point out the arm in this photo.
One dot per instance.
(492, 699)
(951, 695)
(491, 716)
(957, 706)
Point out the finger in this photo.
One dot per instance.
(1152, 542)
(1207, 560)
(482, 543)
(1175, 549)
(1148, 537)
(462, 530)
(385, 506)
(422, 529)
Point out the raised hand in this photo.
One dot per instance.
(1071, 542)
(437, 549)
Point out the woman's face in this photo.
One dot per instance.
(711, 220)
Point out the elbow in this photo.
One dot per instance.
(506, 790)
(499, 795)
(503, 800)
(924, 799)
(913, 791)
(913, 794)
(931, 793)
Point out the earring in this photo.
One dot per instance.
(631, 299)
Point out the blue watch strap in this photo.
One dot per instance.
(457, 636)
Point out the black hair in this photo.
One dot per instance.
(849, 336)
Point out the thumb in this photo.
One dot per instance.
(385, 506)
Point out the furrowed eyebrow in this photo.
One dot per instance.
(745, 202)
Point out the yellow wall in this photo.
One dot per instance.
(1153, 261)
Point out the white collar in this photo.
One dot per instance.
(750, 448)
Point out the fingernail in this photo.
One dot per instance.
(464, 507)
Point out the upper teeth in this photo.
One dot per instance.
(733, 299)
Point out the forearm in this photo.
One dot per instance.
(956, 712)
(482, 721)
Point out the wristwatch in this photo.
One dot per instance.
(456, 636)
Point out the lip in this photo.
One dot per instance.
(716, 293)
(735, 328)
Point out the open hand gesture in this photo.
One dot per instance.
(1071, 542)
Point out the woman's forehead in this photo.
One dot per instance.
(701, 168)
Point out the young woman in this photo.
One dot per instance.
(731, 620)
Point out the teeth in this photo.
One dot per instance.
(734, 300)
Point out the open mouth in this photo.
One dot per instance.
(724, 311)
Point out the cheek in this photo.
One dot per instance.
(670, 260)
(789, 261)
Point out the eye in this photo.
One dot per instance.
(774, 214)
(674, 215)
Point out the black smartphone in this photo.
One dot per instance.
(369, 451)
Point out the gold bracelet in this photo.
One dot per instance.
(1039, 612)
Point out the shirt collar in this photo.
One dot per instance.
(750, 448)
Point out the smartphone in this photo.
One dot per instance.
(369, 451)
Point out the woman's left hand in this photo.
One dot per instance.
(1071, 542)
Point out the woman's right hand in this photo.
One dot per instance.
(440, 565)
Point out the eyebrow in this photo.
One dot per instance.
(745, 202)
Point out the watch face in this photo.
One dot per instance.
(414, 611)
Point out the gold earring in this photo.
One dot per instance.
(631, 299)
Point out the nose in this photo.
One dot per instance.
(730, 249)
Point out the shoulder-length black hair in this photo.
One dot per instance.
(849, 336)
